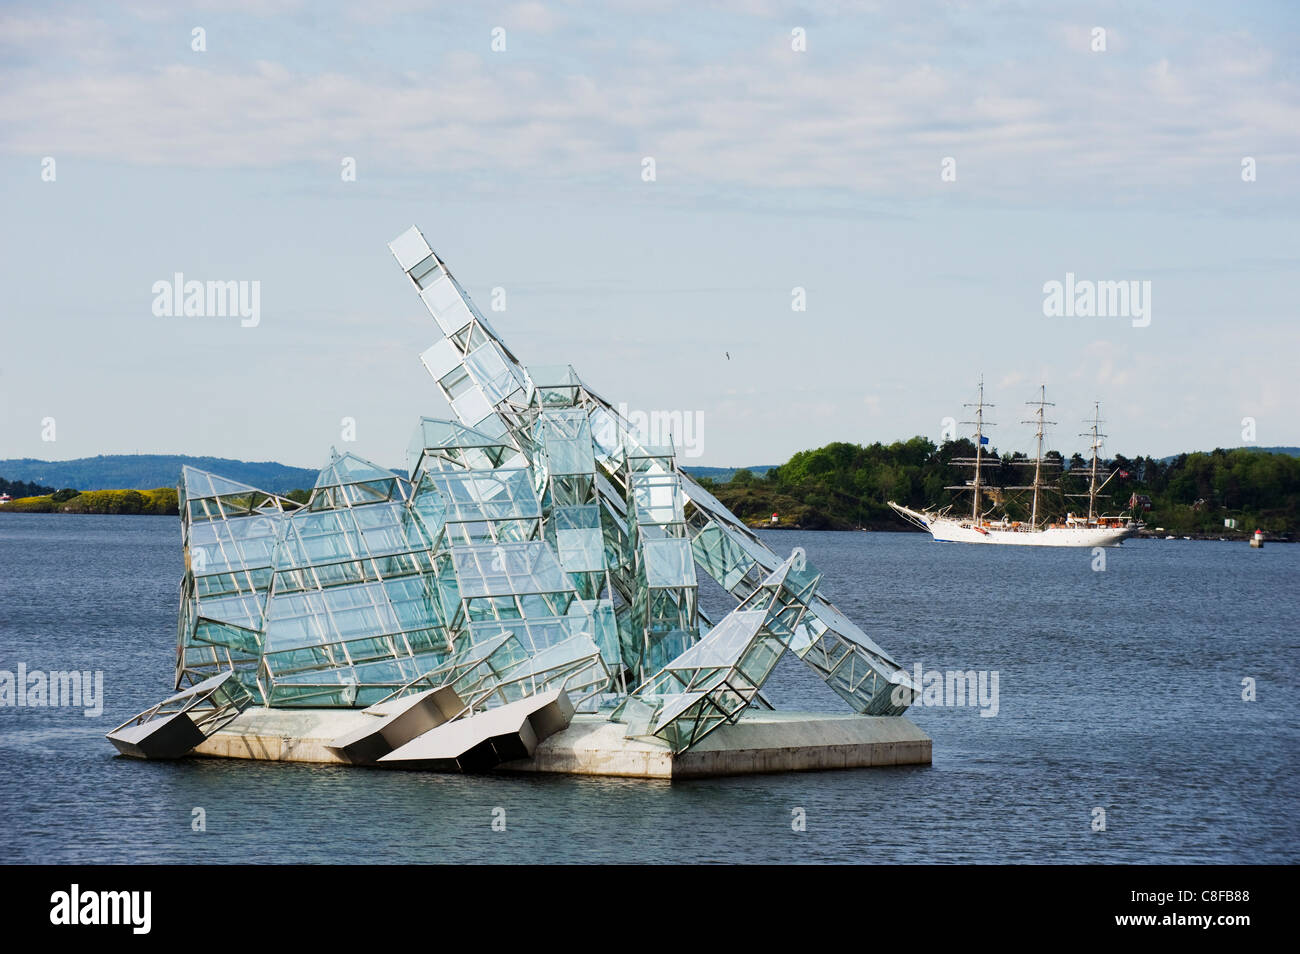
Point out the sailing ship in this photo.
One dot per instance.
(981, 526)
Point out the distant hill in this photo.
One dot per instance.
(146, 471)
(723, 474)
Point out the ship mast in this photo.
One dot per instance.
(1096, 481)
(979, 453)
(1096, 445)
(1041, 403)
(979, 448)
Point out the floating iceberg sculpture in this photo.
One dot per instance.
(535, 548)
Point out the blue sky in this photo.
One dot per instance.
(775, 169)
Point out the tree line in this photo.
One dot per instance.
(159, 500)
(22, 488)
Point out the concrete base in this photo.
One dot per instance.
(759, 742)
(591, 745)
(285, 735)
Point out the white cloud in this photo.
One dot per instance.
(532, 16)
(755, 116)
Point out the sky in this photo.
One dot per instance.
(914, 175)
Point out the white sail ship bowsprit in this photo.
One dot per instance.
(984, 526)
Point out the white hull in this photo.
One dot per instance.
(952, 532)
(948, 530)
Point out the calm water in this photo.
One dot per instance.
(1118, 689)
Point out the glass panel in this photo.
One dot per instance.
(668, 563)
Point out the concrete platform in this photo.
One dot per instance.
(760, 742)
(591, 745)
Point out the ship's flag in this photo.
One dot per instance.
(983, 439)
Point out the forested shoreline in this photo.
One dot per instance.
(846, 486)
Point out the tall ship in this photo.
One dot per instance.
(983, 525)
